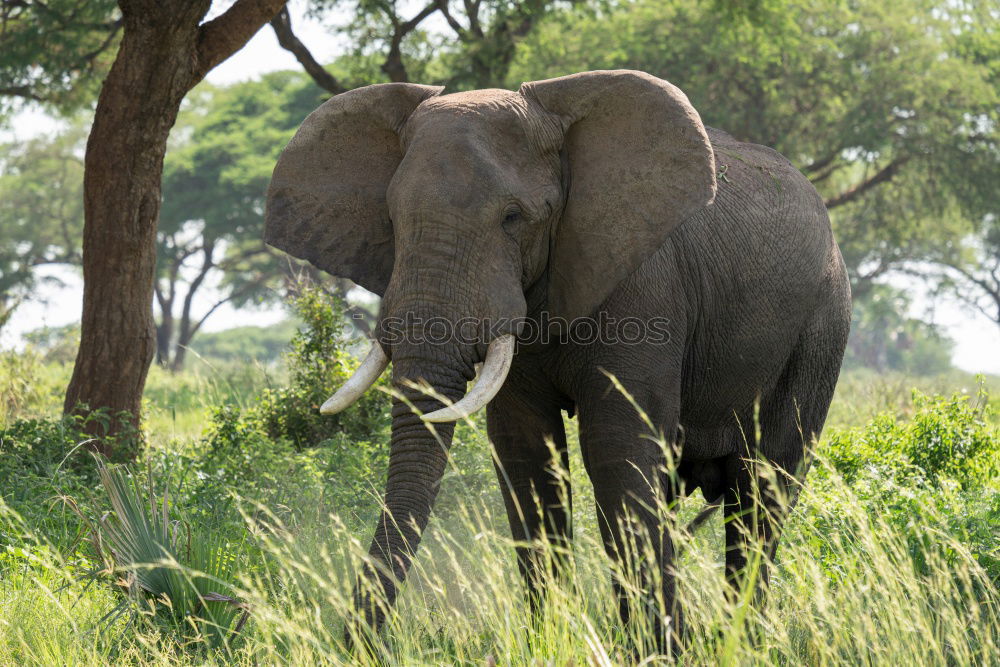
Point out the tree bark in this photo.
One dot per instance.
(164, 52)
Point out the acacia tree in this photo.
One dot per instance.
(214, 184)
(165, 50)
(54, 51)
(41, 211)
(890, 109)
(473, 46)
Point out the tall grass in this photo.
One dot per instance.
(846, 590)
(890, 564)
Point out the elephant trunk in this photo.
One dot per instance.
(417, 459)
(435, 291)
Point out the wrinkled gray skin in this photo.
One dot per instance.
(568, 197)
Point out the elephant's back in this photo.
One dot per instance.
(745, 275)
(767, 219)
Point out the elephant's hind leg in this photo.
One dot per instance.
(532, 467)
(791, 417)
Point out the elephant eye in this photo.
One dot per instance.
(511, 216)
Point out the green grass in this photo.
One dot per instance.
(892, 555)
(846, 591)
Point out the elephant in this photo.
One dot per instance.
(595, 196)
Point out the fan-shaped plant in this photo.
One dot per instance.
(164, 569)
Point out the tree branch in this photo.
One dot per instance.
(472, 12)
(530, 11)
(226, 264)
(411, 25)
(282, 25)
(822, 163)
(991, 290)
(393, 65)
(88, 58)
(234, 295)
(825, 174)
(883, 175)
(455, 25)
(160, 299)
(226, 34)
(23, 92)
(208, 263)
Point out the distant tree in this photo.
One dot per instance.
(970, 271)
(57, 344)
(209, 245)
(165, 50)
(55, 51)
(214, 185)
(885, 337)
(472, 46)
(891, 109)
(249, 343)
(41, 211)
(211, 223)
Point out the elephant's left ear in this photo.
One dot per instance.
(640, 163)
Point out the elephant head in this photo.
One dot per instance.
(454, 208)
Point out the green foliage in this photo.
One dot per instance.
(175, 404)
(41, 210)
(944, 459)
(55, 51)
(947, 438)
(19, 389)
(220, 162)
(317, 363)
(56, 344)
(41, 461)
(282, 443)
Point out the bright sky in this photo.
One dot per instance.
(978, 339)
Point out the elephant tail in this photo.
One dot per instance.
(704, 515)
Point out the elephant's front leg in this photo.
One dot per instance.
(633, 487)
(533, 471)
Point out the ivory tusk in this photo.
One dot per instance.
(366, 375)
(499, 356)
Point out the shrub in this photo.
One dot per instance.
(317, 363)
(163, 567)
(944, 460)
(947, 438)
(280, 450)
(43, 460)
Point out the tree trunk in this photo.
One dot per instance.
(124, 161)
(188, 328)
(164, 334)
(180, 350)
(164, 52)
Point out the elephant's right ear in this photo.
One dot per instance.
(327, 198)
